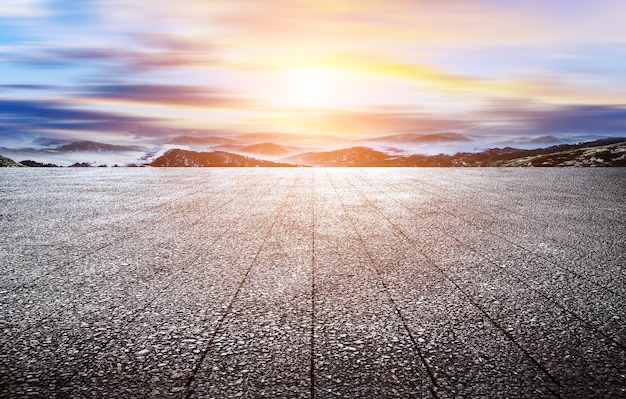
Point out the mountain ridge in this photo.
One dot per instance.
(611, 152)
(186, 158)
(602, 152)
(423, 138)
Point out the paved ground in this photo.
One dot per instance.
(371, 283)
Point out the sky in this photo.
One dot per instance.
(142, 72)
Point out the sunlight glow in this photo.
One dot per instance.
(311, 86)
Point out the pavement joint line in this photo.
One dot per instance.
(416, 348)
(467, 296)
(74, 305)
(591, 324)
(312, 349)
(509, 210)
(203, 354)
(158, 293)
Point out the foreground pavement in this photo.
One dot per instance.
(313, 283)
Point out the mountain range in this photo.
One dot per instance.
(603, 152)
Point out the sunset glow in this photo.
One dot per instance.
(311, 86)
(130, 71)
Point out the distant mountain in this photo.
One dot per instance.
(75, 146)
(271, 149)
(96, 147)
(355, 156)
(49, 141)
(537, 140)
(185, 158)
(195, 140)
(288, 138)
(605, 152)
(423, 138)
(8, 163)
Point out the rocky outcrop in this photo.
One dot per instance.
(35, 164)
(8, 163)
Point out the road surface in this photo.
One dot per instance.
(313, 283)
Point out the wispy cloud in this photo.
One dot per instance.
(23, 8)
(498, 119)
(562, 119)
(132, 61)
(166, 94)
(371, 122)
(33, 118)
(543, 87)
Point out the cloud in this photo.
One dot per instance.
(231, 57)
(399, 38)
(166, 94)
(53, 112)
(436, 75)
(33, 118)
(568, 119)
(372, 121)
(26, 87)
(23, 8)
(419, 24)
(132, 61)
(439, 78)
(504, 119)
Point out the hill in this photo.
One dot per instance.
(185, 158)
(605, 152)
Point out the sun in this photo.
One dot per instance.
(305, 87)
(310, 86)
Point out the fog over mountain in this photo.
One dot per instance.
(263, 145)
(602, 152)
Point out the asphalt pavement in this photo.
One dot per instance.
(313, 283)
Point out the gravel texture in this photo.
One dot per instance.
(313, 282)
